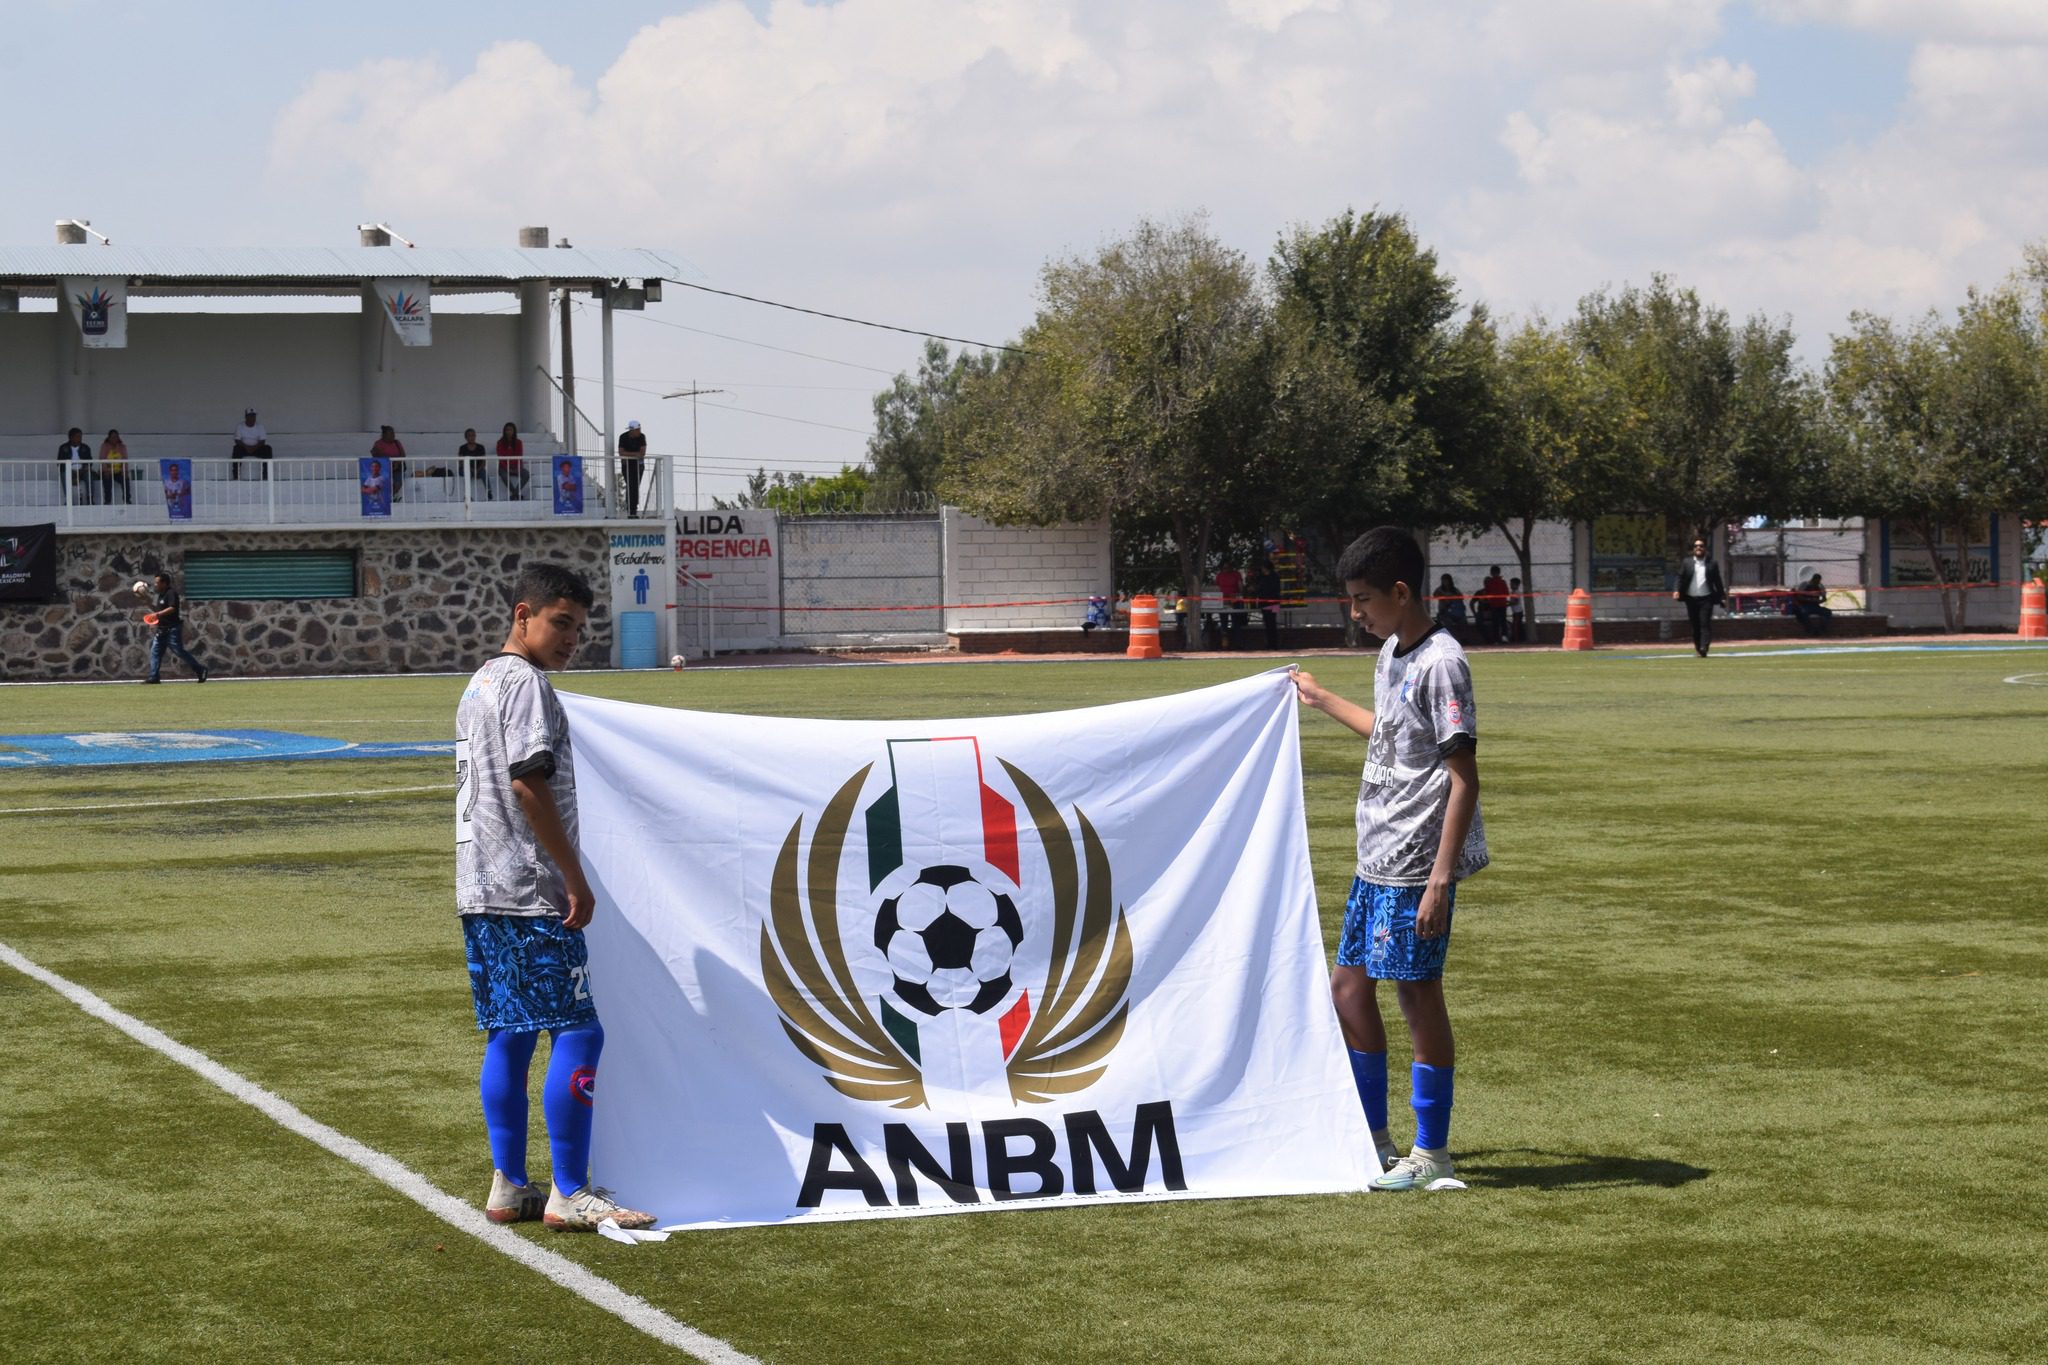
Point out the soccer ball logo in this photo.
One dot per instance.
(950, 941)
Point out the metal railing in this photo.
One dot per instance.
(298, 490)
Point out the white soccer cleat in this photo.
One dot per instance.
(1418, 1170)
(589, 1206)
(510, 1203)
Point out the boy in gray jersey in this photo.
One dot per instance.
(1419, 835)
(523, 898)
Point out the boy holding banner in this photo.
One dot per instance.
(524, 899)
(1419, 835)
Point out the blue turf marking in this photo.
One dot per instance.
(1740, 653)
(104, 748)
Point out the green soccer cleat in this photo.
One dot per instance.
(1415, 1171)
(589, 1206)
(510, 1203)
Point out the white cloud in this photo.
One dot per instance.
(918, 159)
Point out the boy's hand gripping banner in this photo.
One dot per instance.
(853, 969)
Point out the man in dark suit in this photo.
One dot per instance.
(1701, 589)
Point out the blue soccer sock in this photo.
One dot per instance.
(566, 1098)
(1432, 1102)
(507, 1055)
(1369, 1073)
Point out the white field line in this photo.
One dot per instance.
(224, 800)
(636, 1312)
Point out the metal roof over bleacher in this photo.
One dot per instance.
(33, 271)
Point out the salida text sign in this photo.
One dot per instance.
(859, 969)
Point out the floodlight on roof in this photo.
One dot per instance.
(83, 225)
(387, 230)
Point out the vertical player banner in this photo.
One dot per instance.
(177, 478)
(855, 969)
(99, 305)
(28, 563)
(566, 473)
(409, 304)
(375, 474)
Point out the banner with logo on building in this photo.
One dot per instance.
(567, 478)
(374, 473)
(861, 969)
(28, 563)
(99, 305)
(177, 480)
(409, 304)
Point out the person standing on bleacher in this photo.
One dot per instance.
(389, 448)
(252, 442)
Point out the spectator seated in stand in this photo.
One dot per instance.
(114, 467)
(389, 448)
(512, 461)
(76, 453)
(252, 442)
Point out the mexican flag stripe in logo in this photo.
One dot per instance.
(853, 969)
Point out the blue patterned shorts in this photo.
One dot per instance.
(1379, 933)
(527, 974)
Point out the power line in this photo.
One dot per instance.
(700, 331)
(858, 322)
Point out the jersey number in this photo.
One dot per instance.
(581, 976)
(465, 791)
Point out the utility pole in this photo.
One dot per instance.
(692, 393)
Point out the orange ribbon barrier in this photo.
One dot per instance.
(1144, 629)
(1578, 620)
(2034, 611)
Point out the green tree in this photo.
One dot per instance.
(850, 490)
(914, 416)
(1946, 423)
(1141, 397)
(1722, 420)
(1559, 450)
(1380, 407)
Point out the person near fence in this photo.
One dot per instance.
(512, 461)
(1701, 589)
(1491, 603)
(114, 467)
(389, 448)
(170, 633)
(1809, 606)
(469, 458)
(252, 442)
(632, 455)
(76, 453)
(1518, 628)
(1230, 586)
(1450, 606)
(1265, 590)
(524, 900)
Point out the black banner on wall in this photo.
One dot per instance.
(28, 563)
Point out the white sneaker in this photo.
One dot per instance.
(510, 1203)
(1416, 1171)
(589, 1206)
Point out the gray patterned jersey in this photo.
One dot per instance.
(509, 725)
(1422, 713)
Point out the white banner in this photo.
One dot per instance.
(99, 305)
(855, 969)
(410, 306)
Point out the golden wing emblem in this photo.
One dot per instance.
(825, 1016)
(1082, 1010)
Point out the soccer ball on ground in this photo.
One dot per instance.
(676, 661)
(949, 941)
(141, 585)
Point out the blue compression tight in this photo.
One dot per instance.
(565, 1097)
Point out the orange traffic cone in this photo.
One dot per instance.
(1578, 620)
(1144, 628)
(2034, 610)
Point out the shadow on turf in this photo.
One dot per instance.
(1526, 1168)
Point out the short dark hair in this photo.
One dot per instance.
(542, 585)
(1382, 557)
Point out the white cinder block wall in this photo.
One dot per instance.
(987, 565)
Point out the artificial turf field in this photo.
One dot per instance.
(1750, 1014)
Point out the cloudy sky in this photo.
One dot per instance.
(916, 161)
